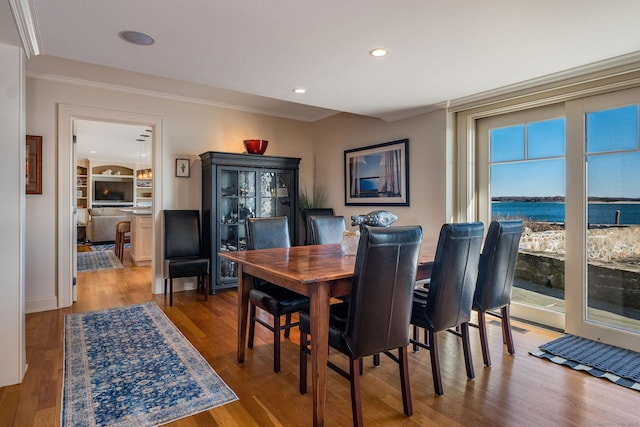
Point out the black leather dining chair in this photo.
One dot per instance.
(266, 233)
(376, 317)
(183, 250)
(326, 229)
(495, 280)
(446, 303)
(308, 213)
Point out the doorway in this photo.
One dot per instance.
(114, 178)
(68, 115)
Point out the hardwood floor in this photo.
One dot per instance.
(517, 390)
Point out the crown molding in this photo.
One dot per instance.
(27, 25)
(550, 80)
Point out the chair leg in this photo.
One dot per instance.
(165, 287)
(416, 337)
(303, 362)
(119, 245)
(170, 291)
(354, 374)
(506, 329)
(252, 324)
(206, 287)
(287, 322)
(435, 362)
(376, 359)
(276, 343)
(403, 362)
(482, 329)
(466, 346)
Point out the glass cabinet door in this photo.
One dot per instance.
(282, 199)
(228, 218)
(246, 204)
(274, 195)
(267, 190)
(237, 202)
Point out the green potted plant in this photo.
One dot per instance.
(316, 199)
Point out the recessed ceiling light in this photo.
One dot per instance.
(93, 151)
(378, 52)
(144, 136)
(140, 139)
(300, 90)
(136, 37)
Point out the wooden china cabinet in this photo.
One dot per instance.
(237, 186)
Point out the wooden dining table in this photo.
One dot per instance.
(317, 271)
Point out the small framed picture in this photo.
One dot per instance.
(182, 168)
(34, 164)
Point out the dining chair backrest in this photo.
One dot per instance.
(382, 289)
(497, 265)
(266, 233)
(182, 249)
(181, 233)
(454, 275)
(308, 213)
(326, 229)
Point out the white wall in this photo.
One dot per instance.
(188, 130)
(428, 143)
(12, 188)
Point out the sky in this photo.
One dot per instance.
(528, 159)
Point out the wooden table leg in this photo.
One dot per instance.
(244, 286)
(319, 313)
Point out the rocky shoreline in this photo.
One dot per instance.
(613, 247)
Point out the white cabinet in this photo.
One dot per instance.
(82, 189)
(105, 184)
(111, 185)
(144, 191)
(141, 238)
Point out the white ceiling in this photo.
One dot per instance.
(250, 54)
(102, 141)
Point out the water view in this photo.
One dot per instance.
(599, 213)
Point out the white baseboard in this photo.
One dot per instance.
(36, 305)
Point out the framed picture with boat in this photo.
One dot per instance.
(377, 175)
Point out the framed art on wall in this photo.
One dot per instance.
(34, 164)
(377, 175)
(182, 168)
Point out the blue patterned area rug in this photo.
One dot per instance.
(103, 260)
(130, 366)
(107, 247)
(600, 360)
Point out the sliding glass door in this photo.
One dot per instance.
(524, 167)
(571, 172)
(605, 153)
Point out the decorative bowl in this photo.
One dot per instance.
(256, 146)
